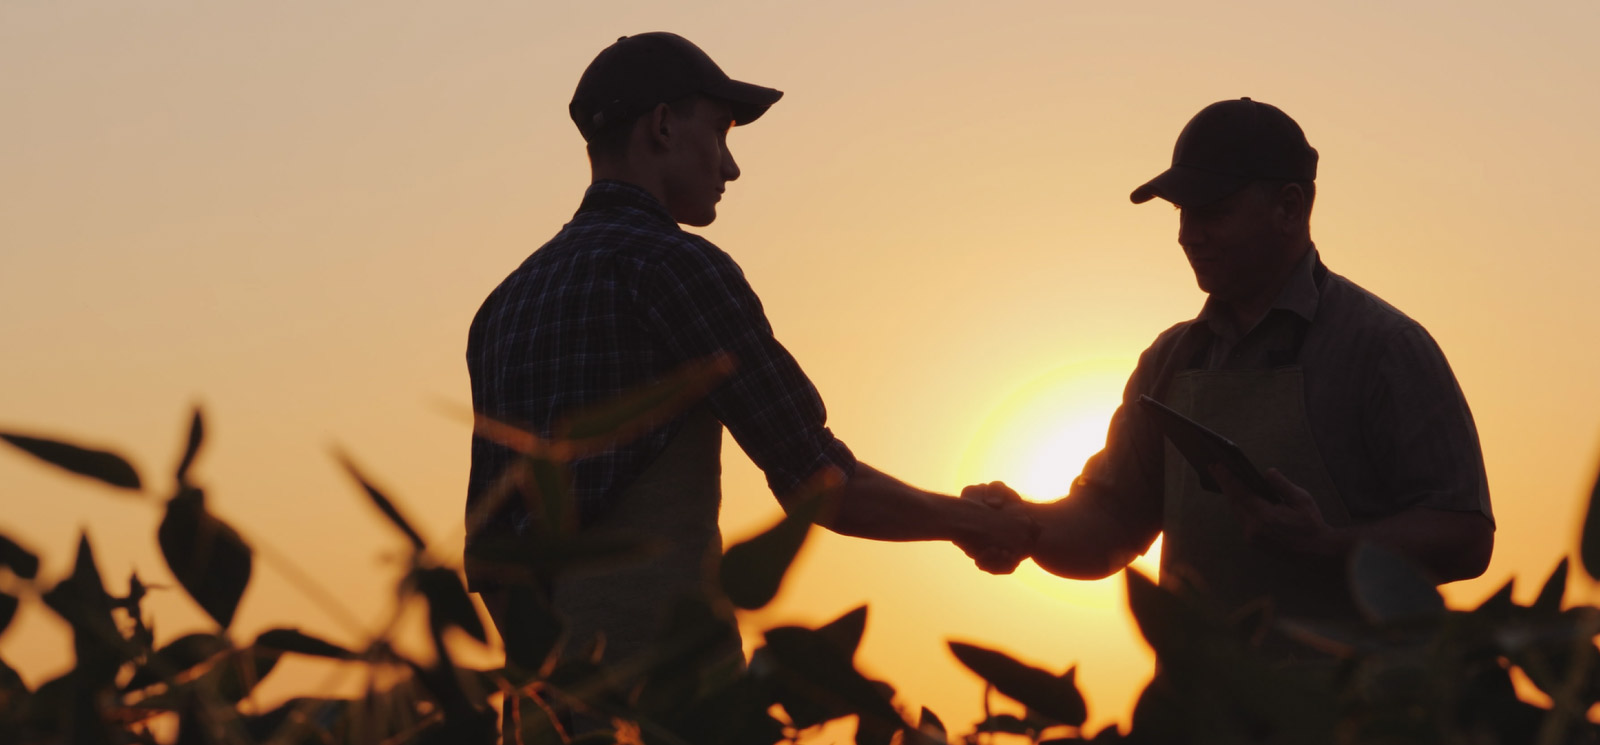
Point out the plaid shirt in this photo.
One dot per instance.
(620, 297)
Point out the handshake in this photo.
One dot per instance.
(1007, 531)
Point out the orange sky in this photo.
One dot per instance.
(290, 211)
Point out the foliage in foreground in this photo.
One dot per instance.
(1416, 672)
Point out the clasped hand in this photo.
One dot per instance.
(1009, 538)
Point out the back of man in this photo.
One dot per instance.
(622, 296)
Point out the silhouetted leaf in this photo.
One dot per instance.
(1389, 588)
(1161, 616)
(448, 604)
(1006, 724)
(753, 570)
(208, 557)
(12, 687)
(846, 630)
(1500, 603)
(81, 600)
(21, 561)
(293, 640)
(383, 504)
(191, 448)
(642, 409)
(929, 724)
(815, 668)
(96, 464)
(1589, 545)
(1555, 587)
(178, 656)
(8, 609)
(1048, 695)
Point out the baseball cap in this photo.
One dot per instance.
(640, 71)
(1225, 147)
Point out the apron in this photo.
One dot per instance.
(676, 500)
(1264, 412)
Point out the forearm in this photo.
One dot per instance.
(1450, 545)
(872, 504)
(1078, 540)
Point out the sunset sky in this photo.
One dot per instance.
(289, 211)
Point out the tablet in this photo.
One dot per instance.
(1204, 448)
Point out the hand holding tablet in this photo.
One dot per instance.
(1204, 448)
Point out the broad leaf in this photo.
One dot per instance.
(8, 609)
(815, 668)
(1589, 545)
(929, 724)
(82, 601)
(846, 630)
(96, 464)
(383, 504)
(197, 433)
(293, 640)
(1043, 693)
(752, 571)
(180, 655)
(1549, 600)
(448, 603)
(208, 557)
(1388, 588)
(1500, 603)
(21, 561)
(1005, 723)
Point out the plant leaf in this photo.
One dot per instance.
(1043, 693)
(1006, 724)
(1389, 588)
(752, 570)
(1549, 600)
(1500, 603)
(197, 432)
(383, 503)
(20, 560)
(929, 724)
(8, 610)
(293, 640)
(208, 557)
(448, 604)
(815, 669)
(82, 601)
(846, 630)
(1589, 545)
(104, 466)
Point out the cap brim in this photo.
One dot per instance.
(1189, 187)
(749, 101)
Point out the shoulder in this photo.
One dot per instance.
(1359, 325)
(1349, 307)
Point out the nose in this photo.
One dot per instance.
(730, 168)
(1189, 230)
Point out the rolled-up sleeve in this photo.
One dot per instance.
(1423, 440)
(697, 303)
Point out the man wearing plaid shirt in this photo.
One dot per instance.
(622, 296)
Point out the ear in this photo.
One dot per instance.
(1292, 206)
(659, 126)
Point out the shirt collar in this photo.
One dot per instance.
(1299, 296)
(611, 193)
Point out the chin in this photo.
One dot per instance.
(700, 220)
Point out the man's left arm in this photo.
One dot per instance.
(1425, 448)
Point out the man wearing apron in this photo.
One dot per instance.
(1346, 403)
(621, 297)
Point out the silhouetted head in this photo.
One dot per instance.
(655, 110)
(1243, 178)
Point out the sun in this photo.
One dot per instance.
(1037, 439)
